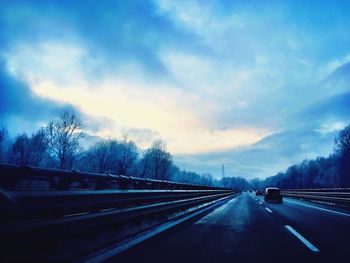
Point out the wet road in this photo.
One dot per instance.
(247, 229)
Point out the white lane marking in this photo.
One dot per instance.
(302, 239)
(319, 208)
(107, 209)
(268, 209)
(9, 197)
(260, 203)
(77, 214)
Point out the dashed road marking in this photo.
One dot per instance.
(260, 203)
(302, 239)
(268, 209)
(107, 209)
(77, 214)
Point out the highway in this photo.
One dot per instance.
(247, 229)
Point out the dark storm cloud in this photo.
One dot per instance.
(16, 100)
(112, 31)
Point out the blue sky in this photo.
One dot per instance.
(255, 85)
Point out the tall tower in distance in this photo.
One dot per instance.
(223, 170)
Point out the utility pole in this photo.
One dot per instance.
(223, 170)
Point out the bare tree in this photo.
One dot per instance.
(3, 136)
(19, 150)
(342, 141)
(342, 147)
(127, 157)
(111, 157)
(99, 158)
(62, 138)
(28, 151)
(38, 148)
(157, 162)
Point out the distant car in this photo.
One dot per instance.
(250, 191)
(273, 194)
(259, 192)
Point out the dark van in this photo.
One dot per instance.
(273, 194)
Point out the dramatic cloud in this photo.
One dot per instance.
(20, 109)
(255, 86)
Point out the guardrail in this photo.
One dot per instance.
(337, 196)
(59, 215)
(29, 205)
(30, 177)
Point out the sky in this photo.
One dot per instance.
(254, 85)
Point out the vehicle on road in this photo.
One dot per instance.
(259, 192)
(273, 194)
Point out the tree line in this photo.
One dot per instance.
(58, 145)
(323, 172)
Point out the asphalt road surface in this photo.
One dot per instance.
(247, 229)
